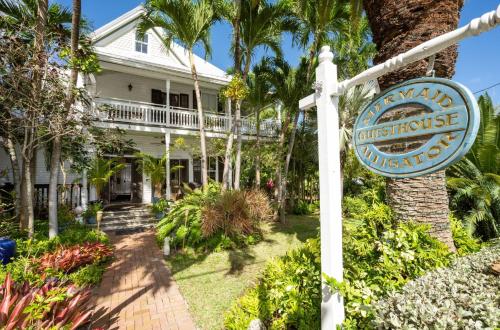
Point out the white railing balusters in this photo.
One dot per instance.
(148, 113)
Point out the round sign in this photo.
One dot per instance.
(416, 128)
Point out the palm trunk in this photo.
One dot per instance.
(56, 144)
(237, 166)
(257, 146)
(237, 69)
(227, 156)
(396, 29)
(201, 121)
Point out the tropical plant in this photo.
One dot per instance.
(101, 170)
(189, 23)
(213, 219)
(51, 306)
(463, 296)
(395, 31)
(381, 257)
(155, 168)
(255, 24)
(68, 259)
(475, 180)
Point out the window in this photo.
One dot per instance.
(141, 44)
(209, 102)
(212, 169)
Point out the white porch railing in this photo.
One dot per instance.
(142, 113)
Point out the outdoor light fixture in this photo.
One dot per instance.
(130, 87)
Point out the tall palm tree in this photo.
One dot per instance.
(55, 158)
(398, 27)
(287, 87)
(475, 180)
(255, 24)
(189, 23)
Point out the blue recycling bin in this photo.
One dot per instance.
(7, 249)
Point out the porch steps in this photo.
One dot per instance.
(128, 217)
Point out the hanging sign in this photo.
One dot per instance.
(416, 128)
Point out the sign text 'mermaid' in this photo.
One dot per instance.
(416, 128)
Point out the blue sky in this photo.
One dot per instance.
(477, 67)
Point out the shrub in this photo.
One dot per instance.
(380, 256)
(287, 296)
(464, 296)
(51, 306)
(305, 208)
(215, 220)
(68, 259)
(88, 275)
(464, 241)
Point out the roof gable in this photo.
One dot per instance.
(118, 38)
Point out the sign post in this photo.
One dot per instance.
(325, 99)
(330, 187)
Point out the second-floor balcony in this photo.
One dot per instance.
(149, 114)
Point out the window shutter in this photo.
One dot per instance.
(195, 101)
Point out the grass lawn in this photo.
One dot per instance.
(211, 282)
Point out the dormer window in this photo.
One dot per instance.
(141, 44)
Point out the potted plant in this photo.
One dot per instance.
(156, 169)
(7, 249)
(160, 207)
(93, 209)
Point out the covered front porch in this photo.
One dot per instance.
(133, 185)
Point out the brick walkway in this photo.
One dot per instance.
(137, 291)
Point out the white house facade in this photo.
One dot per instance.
(147, 91)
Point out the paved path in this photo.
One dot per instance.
(138, 291)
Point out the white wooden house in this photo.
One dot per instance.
(148, 91)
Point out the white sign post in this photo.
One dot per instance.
(326, 101)
(330, 187)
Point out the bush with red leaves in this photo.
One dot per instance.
(51, 306)
(69, 259)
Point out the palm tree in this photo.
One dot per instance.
(189, 23)
(155, 168)
(287, 87)
(397, 27)
(255, 24)
(100, 171)
(57, 141)
(475, 180)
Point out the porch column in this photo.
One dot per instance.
(167, 166)
(84, 191)
(167, 101)
(230, 123)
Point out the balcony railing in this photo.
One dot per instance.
(143, 113)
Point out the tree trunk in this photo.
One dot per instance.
(201, 121)
(257, 147)
(227, 156)
(14, 161)
(396, 29)
(237, 69)
(56, 144)
(53, 179)
(237, 166)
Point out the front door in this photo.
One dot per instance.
(121, 183)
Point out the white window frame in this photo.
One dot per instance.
(141, 45)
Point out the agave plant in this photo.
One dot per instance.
(51, 306)
(475, 180)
